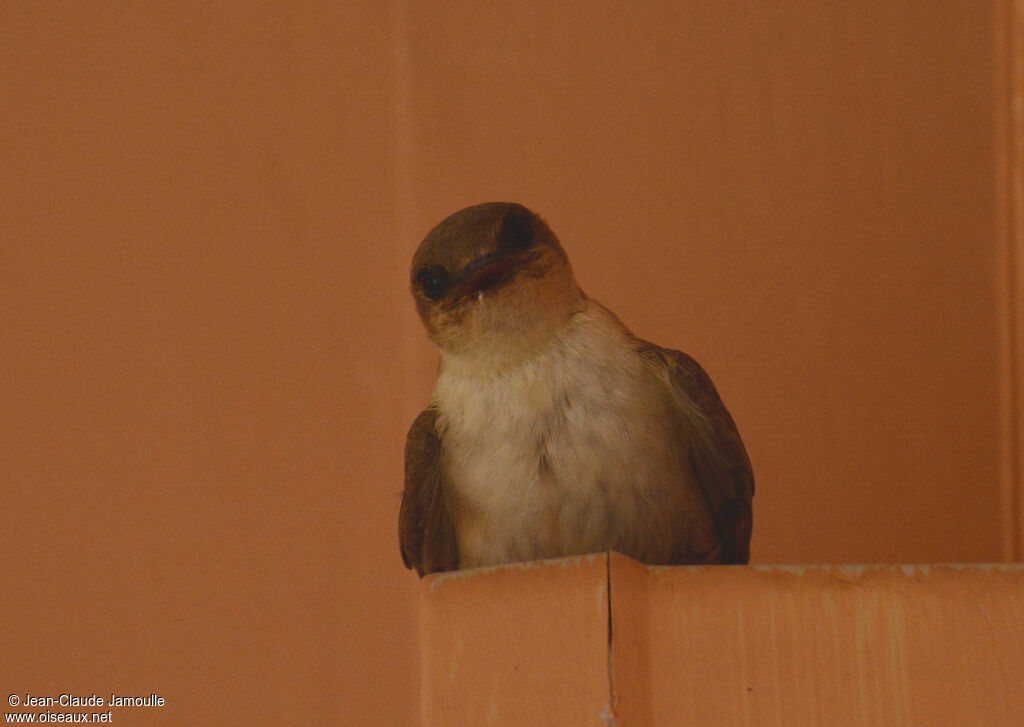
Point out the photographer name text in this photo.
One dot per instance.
(72, 700)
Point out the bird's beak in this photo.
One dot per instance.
(485, 272)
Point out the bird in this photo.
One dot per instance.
(552, 430)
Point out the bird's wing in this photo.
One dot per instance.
(715, 450)
(426, 532)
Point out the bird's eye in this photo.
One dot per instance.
(433, 282)
(516, 232)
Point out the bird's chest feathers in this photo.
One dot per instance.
(505, 437)
(542, 457)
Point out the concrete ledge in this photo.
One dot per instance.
(827, 645)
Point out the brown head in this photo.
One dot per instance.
(491, 283)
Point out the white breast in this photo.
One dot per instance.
(569, 452)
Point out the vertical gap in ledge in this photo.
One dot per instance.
(609, 712)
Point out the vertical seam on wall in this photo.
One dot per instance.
(1015, 98)
(403, 165)
(403, 120)
(1009, 75)
(1004, 280)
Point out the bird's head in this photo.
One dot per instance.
(492, 283)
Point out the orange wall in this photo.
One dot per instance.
(209, 358)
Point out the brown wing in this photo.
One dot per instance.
(426, 532)
(716, 451)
